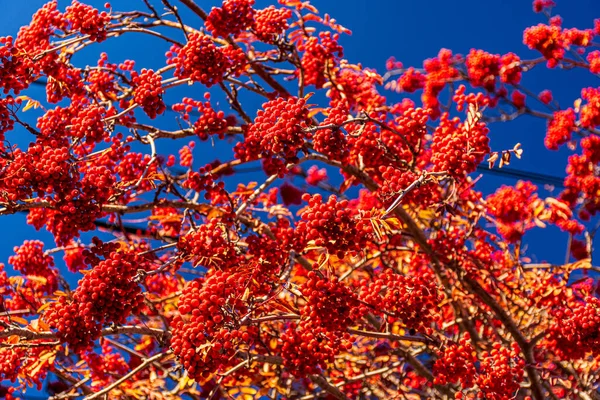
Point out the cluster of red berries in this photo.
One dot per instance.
(278, 130)
(560, 128)
(102, 82)
(210, 245)
(316, 175)
(34, 38)
(590, 111)
(510, 69)
(458, 147)
(87, 123)
(593, 58)
(552, 41)
(87, 20)
(575, 331)
(512, 208)
(210, 122)
(439, 71)
(199, 60)
(456, 363)
(31, 260)
(66, 82)
(132, 167)
(333, 225)
(107, 294)
(6, 122)
(411, 81)
(270, 22)
(205, 181)
(206, 334)
(232, 18)
(307, 349)
(501, 372)
(319, 57)
(356, 89)
(462, 99)
(483, 68)
(10, 361)
(16, 72)
(103, 367)
(148, 92)
(330, 304)
(412, 299)
(41, 170)
(73, 257)
(186, 158)
(332, 142)
(395, 181)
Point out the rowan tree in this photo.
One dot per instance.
(358, 261)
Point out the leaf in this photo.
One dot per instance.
(31, 104)
(20, 320)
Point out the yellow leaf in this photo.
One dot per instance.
(43, 307)
(14, 339)
(39, 279)
(20, 320)
(248, 390)
(31, 103)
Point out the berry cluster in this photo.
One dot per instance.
(107, 294)
(560, 128)
(87, 20)
(590, 111)
(307, 349)
(186, 158)
(512, 208)
(456, 363)
(87, 123)
(411, 81)
(6, 122)
(232, 18)
(278, 130)
(204, 181)
(210, 245)
(210, 122)
(314, 175)
(30, 260)
(332, 142)
(356, 89)
(206, 334)
(329, 303)
(396, 181)
(440, 70)
(319, 57)
(199, 60)
(270, 22)
(575, 331)
(332, 225)
(483, 68)
(457, 147)
(104, 366)
(501, 373)
(510, 69)
(148, 92)
(414, 300)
